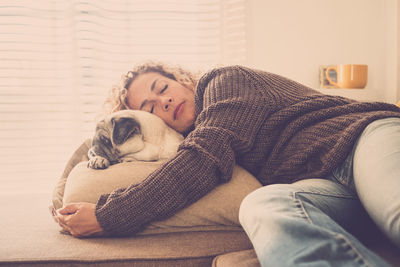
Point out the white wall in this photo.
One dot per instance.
(294, 37)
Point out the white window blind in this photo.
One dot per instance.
(59, 58)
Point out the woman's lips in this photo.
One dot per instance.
(178, 110)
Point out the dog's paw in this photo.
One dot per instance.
(98, 162)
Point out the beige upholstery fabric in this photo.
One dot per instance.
(215, 211)
(87, 185)
(245, 258)
(78, 156)
(30, 237)
(218, 210)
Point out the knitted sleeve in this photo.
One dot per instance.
(229, 112)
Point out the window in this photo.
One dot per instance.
(58, 60)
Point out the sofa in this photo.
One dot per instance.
(197, 236)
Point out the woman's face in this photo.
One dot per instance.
(164, 97)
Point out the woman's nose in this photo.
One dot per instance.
(166, 103)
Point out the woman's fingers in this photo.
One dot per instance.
(63, 221)
(68, 209)
(62, 216)
(79, 219)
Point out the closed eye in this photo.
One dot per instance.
(162, 91)
(105, 140)
(165, 88)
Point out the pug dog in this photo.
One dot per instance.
(132, 135)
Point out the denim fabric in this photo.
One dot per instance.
(303, 224)
(373, 171)
(308, 223)
(344, 173)
(377, 174)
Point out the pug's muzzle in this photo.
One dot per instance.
(109, 139)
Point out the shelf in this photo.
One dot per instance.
(356, 93)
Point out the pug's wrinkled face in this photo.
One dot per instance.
(114, 136)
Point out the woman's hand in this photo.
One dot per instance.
(79, 219)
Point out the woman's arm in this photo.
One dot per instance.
(204, 160)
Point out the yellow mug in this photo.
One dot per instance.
(349, 75)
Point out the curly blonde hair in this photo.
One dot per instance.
(117, 97)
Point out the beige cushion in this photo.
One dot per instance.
(244, 258)
(30, 237)
(79, 155)
(218, 210)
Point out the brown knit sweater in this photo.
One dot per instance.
(277, 129)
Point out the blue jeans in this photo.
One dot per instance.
(315, 222)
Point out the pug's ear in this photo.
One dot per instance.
(123, 129)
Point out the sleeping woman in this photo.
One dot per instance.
(322, 159)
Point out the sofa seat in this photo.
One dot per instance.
(244, 258)
(30, 237)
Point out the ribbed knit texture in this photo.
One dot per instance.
(277, 129)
